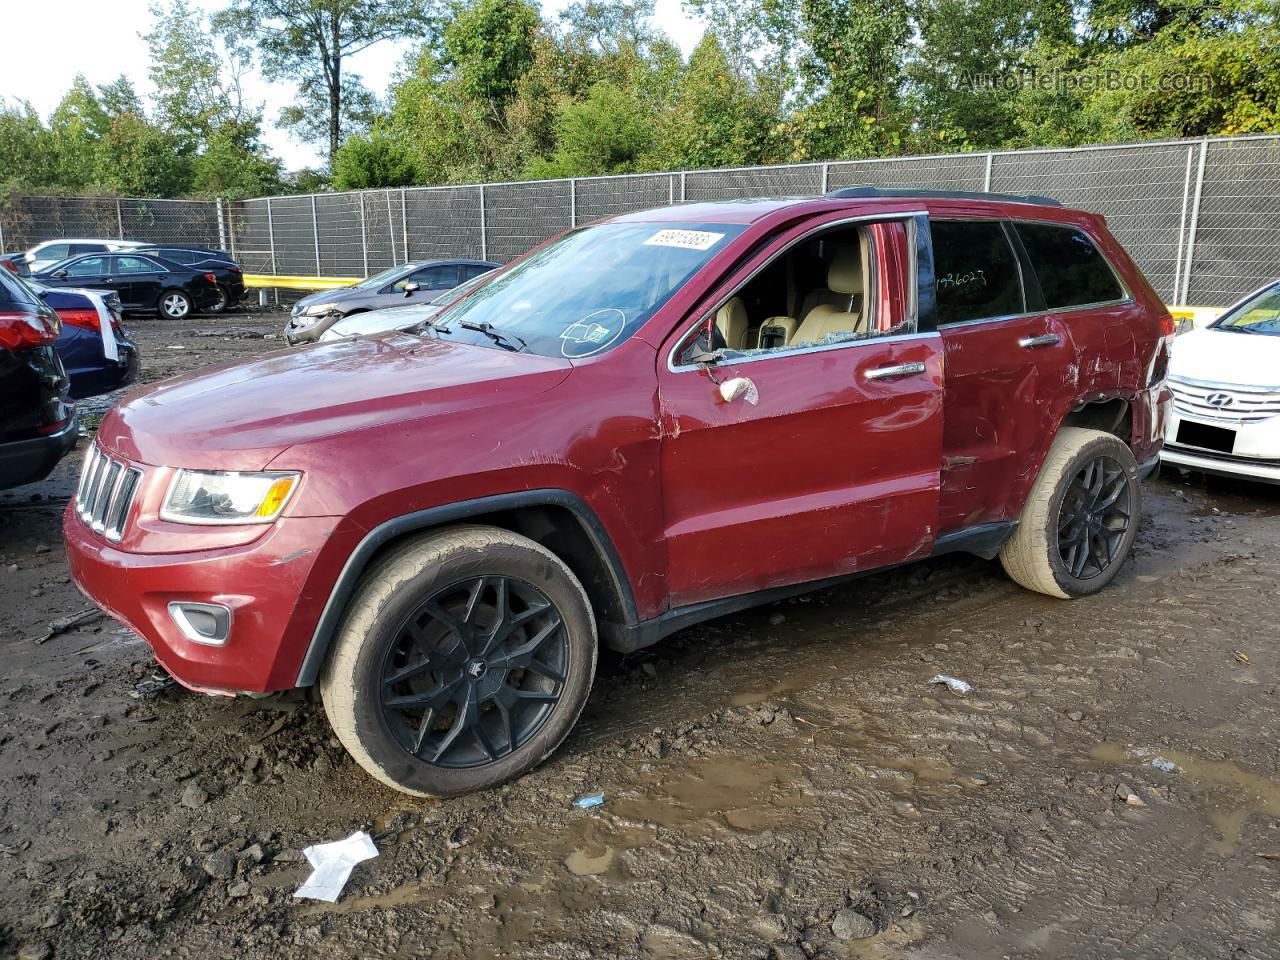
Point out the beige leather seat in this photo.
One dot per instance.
(732, 322)
(848, 313)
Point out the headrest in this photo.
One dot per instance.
(732, 313)
(844, 275)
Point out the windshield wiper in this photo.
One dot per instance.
(508, 340)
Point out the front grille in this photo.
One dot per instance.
(1227, 402)
(106, 492)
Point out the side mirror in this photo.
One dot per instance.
(411, 287)
(731, 390)
(61, 274)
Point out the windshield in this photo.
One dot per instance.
(378, 279)
(589, 290)
(1260, 314)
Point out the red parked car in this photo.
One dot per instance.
(642, 424)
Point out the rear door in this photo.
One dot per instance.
(138, 281)
(826, 463)
(1010, 371)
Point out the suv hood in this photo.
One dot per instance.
(241, 415)
(1247, 359)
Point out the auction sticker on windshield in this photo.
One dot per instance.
(684, 239)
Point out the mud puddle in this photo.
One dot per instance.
(1239, 793)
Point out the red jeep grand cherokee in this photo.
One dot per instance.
(641, 424)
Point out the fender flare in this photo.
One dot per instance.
(345, 586)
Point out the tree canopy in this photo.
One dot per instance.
(496, 89)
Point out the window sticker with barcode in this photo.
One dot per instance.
(685, 239)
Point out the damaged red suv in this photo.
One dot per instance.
(439, 527)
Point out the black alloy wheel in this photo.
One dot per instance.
(474, 671)
(1094, 518)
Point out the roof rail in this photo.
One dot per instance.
(863, 191)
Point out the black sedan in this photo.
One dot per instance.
(217, 262)
(145, 284)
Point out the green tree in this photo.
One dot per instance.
(716, 119)
(198, 85)
(233, 164)
(964, 46)
(853, 76)
(308, 42)
(373, 160)
(609, 131)
(26, 148)
(489, 45)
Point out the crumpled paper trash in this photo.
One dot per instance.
(332, 864)
(955, 686)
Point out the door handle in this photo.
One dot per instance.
(1044, 340)
(895, 371)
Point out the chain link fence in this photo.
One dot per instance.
(1201, 217)
(28, 220)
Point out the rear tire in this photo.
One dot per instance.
(1080, 519)
(174, 305)
(220, 305)
(463, 661)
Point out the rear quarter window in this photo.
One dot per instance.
(1071, 269)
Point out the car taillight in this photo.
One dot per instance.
(211, 278)
(1168, 326)
(24, 329)
(84, 319)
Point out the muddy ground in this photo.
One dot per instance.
(782, 783)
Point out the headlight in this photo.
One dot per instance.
(203, 497)
(320, 309)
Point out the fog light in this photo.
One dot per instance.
(207, 623)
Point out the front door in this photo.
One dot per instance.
(826, 462)
(92, 271)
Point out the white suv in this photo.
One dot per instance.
(53, 251)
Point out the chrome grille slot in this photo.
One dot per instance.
(106, 492)
(1224, 402)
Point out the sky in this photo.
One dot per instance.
(102, 41)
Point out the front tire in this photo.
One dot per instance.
(1080, 519)
(174, 305)
(463, 661)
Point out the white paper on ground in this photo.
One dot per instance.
(956, 686)
(332, 864)
(110, 349)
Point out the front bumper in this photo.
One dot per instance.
(307, 329)
(29, 461)
(1255, 454)
(261, 582)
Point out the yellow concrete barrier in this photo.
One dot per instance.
(1199, 316)
(298, 283)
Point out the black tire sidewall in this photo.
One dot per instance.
(222, 303)
(506, 559)
(1116, 450)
